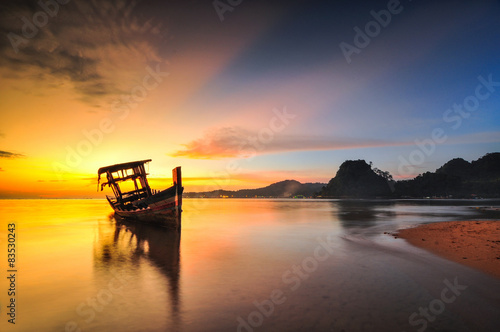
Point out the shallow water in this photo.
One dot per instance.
(240, 265)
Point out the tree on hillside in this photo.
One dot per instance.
(356, 179)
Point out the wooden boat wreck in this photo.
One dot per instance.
(142, 203)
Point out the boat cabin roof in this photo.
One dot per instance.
(119, 167)
(114, 177)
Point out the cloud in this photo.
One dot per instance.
(235, 142)
(100, 48)
(225, 142)
(10, 155)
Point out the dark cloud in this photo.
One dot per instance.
(10, 155)
(92, 44)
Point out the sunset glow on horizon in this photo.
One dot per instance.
(262, 95)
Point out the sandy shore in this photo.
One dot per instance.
(473, 243)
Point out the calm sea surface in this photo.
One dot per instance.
(239, 265)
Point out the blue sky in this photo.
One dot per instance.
(396, 90)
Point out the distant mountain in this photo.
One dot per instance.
(283, 189)
(456, 167)
(357, 179)
(456, 178)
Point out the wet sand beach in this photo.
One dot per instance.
(475, 243)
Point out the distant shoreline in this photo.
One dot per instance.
(475, 243)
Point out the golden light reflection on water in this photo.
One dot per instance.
(69, 251)
(53, 260)
(78, 268)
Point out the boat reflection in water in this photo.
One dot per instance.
(133, 252)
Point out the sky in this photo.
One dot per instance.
(240, 93)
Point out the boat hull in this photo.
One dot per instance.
(163, 208)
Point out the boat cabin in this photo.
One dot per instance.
(133, 172)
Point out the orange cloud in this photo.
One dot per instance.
(226, 142)
(234, 142)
